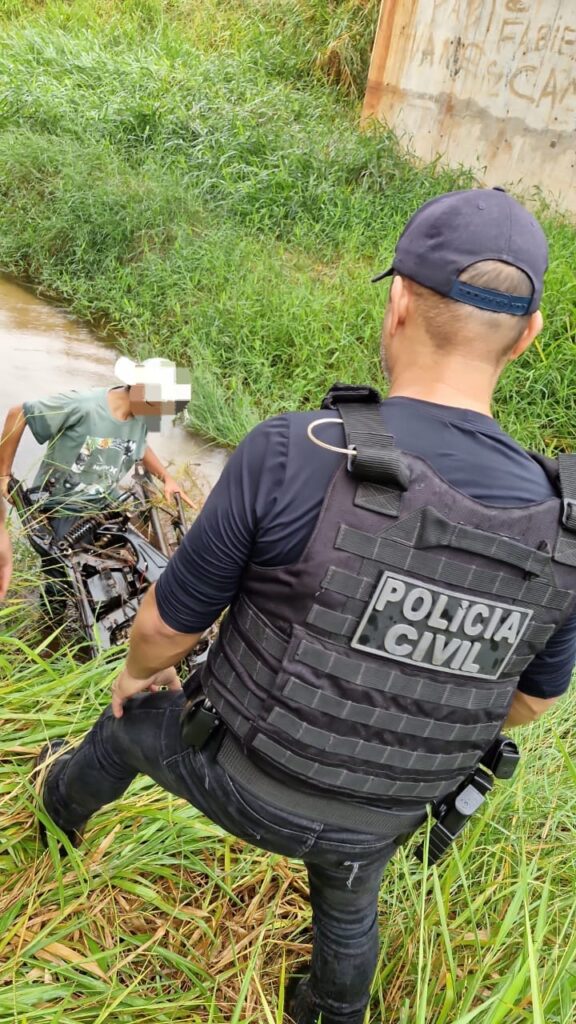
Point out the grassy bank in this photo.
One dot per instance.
(161, 918)
(184, 173)
(191, 176)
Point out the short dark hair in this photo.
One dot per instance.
(453, 325)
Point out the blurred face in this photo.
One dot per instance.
(139, 406)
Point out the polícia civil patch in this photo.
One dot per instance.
(438, 628)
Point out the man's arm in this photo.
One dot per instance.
(547, 678)
(153, 651)
(153, 644)
(14, 427)
(205, 572)
(152, 463)
(525, 709)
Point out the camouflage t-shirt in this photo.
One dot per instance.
(89, 450)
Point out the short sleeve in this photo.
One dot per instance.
(47, 417)
(205, 573)
(141, 443)
(550, 673)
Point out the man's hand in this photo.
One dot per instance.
(172, 487)
(5, 561)
(152, 464)
(127, 686)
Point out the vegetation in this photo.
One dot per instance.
(181, 173)
(161, 918)
(190, 176)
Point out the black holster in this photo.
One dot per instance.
(199, 722)
(453, 813)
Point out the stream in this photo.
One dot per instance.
(45, 350)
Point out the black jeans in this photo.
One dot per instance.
(344, 867)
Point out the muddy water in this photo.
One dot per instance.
(43, 350)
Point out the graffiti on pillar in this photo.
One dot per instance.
(518, 56)
(486, 83)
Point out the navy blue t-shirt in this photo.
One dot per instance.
(267, 501)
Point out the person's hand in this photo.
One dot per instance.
(172, 487)
(5, 561)
(126, 686)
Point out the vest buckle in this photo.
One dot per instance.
(569, 514)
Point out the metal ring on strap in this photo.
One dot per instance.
(372, 453)
(323, 444)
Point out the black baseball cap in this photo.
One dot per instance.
(450, 233)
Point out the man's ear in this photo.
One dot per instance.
(533, 328)
(397, 304)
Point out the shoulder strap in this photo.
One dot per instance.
(376, 459)
(567, 477)
(340, 394)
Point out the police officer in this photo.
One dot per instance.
(394, 598)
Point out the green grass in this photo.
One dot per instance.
(162, 918)
(190, 177)
(182, 174)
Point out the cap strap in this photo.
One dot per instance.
(487, 298)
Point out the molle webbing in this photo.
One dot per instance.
(400, 684)
(240, 718)
(362, 674)
(425, 528)
(400, 771)
(382, 663)
(259, 630)
(375, 753)
(237, 717)
(396, 555)
(316, 807)
(382, 718)
(263, 638)
(343, 626)
(340, 778)
(360, 587)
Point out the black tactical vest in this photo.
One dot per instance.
(382, 664)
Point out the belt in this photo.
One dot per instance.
(201, 721)
(316, 806)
